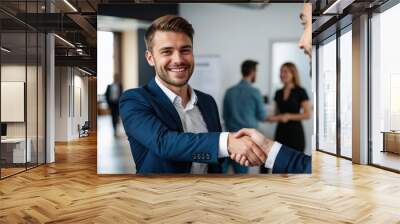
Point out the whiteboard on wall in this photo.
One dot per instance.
(12, 101)
(207, 77)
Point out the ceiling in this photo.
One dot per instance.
(76, 21)
(76, 24)
(332, 15)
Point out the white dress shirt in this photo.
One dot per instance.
(192, 121)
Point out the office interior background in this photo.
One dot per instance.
(353, 73)
(47, 82)
(247, 33)
(358, 83)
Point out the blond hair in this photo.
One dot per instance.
(293, 69)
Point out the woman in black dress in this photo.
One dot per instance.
(292, 106)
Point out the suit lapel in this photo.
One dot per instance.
(203, 105)
(164, 102)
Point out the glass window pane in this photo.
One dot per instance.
(346, 94)
(327, 97)
(14, 153)
(105, 54)
(22, 88)
(41, 98)
(385, 86)
(31, 97)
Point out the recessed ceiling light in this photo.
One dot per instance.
(70, 5)
(5, 50)
(64, 40)
(84, 71)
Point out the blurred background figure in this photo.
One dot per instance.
(113, 92)
(243, 107)
(291, 107)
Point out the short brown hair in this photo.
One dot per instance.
(248, 66)
(293, 69)
(168, 23)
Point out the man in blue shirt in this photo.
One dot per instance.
(243, 108)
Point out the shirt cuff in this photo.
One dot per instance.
(223, 145)
(276, 147)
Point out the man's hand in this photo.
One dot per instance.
(246, 150)
(263, 142)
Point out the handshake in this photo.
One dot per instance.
(248, 147)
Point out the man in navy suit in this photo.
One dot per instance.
(173, 128)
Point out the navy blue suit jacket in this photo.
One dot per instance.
(156, 136)
(159, 145)
(289, 160)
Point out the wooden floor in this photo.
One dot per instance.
(387, 159)
(10, 171)
(70, 191)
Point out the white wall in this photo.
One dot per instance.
(67, 115)
(238, 33)
(17, 73)
(33, 126)
(61, 103)
(80, 83)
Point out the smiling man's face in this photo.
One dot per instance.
(172, 57)
(306, 37)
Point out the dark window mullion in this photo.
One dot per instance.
(0, 94)
(37, 90)
(316, 95)
(338, 95)
(26, 86)
(369, 96)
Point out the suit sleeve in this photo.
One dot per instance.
(226, 110)
(141, 124)
(289, 160)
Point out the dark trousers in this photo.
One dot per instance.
(237, 168)
(114, 114)
(263, 169)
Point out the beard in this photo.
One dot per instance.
(253, 79)
(163, 73)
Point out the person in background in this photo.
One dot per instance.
(292, 106)
(286, 159)
(243, 107)
(113, 93)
